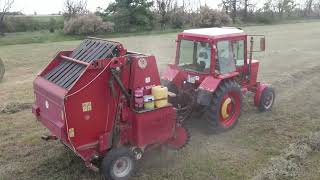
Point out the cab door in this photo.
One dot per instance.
(230, 56)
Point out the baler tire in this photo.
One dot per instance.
(113, 157)
(213, 112)
(265, 93)
(2, 70)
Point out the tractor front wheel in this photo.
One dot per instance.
(225, 109)
(118, 164)
(267, 99)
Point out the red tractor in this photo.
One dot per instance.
(211, 74)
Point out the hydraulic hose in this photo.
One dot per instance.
(119, 82)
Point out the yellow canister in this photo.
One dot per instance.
(160, 94)
(148, 102)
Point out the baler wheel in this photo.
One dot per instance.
(180, 139)
(118, 164)
(224, 112)
(267, 99)
(2, 70)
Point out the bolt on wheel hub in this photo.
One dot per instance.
(268, 100)
(122, 167)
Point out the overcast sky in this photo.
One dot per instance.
(54, 6)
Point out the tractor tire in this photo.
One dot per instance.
(225, 109)
(266, 99)
(118, 164)
(2, 70)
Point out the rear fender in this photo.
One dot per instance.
(259, 91)
(205, 90)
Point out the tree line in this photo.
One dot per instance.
(142, 15)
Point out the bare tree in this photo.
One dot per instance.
(316, 8)
(308, 9)
(5, 6)
(245, 9)
(285, 7)
(225, 6)
(74, 8)
(231, 8)
(164, 7)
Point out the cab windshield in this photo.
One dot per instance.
(195, 56)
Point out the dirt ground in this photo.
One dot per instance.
(291, 63)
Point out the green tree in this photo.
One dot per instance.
(129, 15)
(52, 24)
(5, 6)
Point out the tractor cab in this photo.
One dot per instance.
(212, 71)
(211, 50)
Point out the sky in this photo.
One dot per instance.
(50, 6)
(54, 6)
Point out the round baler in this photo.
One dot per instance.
(85, 98)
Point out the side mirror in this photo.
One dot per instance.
(262, 44)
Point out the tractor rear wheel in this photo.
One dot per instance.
(118, 164)
(225, 108)
(2, 70)
(266, 99)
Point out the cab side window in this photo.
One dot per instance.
(225, 57)
(238, 52)
(204, 55)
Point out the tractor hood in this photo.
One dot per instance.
(178, 76)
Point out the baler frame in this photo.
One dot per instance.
(92, 111)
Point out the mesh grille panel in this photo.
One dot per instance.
(67, 72)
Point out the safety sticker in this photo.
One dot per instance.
(86, 106)
(71, 132)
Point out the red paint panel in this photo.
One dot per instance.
(254, 72)
(153, 126)
(50, 105)
(104, 143)
(210, 84)
(90, 124)
(144, 77)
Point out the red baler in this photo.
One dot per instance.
(86, 99)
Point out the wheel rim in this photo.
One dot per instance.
(229, 109)
(268, 100)
(122, 167)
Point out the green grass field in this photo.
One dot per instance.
(290, 64)
(44, 36)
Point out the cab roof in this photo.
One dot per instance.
(215, 31)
